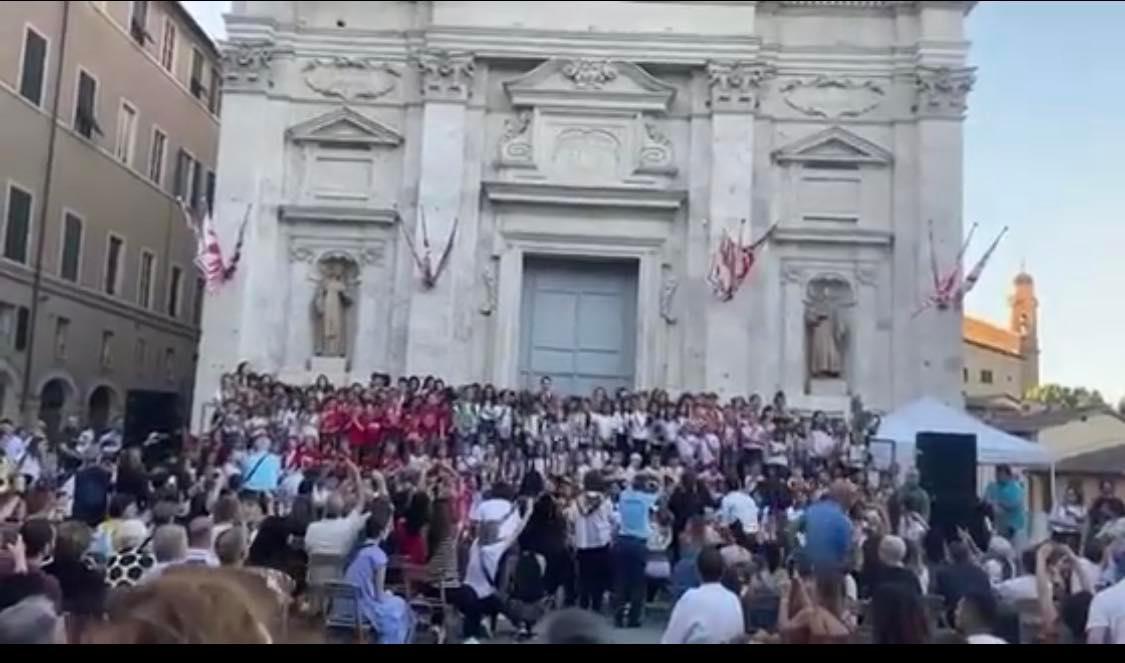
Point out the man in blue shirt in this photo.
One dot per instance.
(261, 469)
(630, 549)
(828, 530)
(1006, 497)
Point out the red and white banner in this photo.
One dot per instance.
(732, 262)
(209, 251)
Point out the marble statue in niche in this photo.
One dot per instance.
(827, 328)
(331, 305)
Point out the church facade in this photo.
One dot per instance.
(498, 191)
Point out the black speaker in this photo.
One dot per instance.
(947, 464)
(150, 412)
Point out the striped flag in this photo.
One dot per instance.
(974, 274)
(209, 251)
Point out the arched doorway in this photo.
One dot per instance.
(100, 406)
(52, 401)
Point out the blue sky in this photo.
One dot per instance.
(1045, 155)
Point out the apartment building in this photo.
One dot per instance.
(110, 114)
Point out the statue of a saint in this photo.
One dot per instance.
(330, 304)
(827, 329)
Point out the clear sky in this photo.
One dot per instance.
(1044, 155)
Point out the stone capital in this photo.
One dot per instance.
(736, 87)
(247, 65)
(942, 92)
(444, 75)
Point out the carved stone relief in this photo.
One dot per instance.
(826, 303)
(589, 74)
(736, 86)
(832, 97)
(587, 153)
(332, 303)
(669, 284)
(489, 278)
(515, 143)
(445, 74)
(942, 91)
(350, 79)
(247, 64)
(656, 153)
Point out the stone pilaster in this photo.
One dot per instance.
(940, 103)
(445, 81)
(735, 94)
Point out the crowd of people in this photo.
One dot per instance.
(448, 510)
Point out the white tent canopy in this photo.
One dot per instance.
(928, 415)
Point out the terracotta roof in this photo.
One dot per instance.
(1110, 460)
(988, 335)
(1048, 418)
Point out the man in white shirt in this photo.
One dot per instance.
(708, 614)
(337, 533)
(498, 507)
(738, 505)
(1106, 622)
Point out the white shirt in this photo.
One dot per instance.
(638, 426)
(737, 505)
(14, 448)
(594, 529)
(484, 561)
(497, 509)
(822, 444)
(985, 639)
(708, 614)
(335, 536)
(1020, 588)
(1107, 611)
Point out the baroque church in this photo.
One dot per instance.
(500, 191)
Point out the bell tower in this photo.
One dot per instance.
(1025, 323)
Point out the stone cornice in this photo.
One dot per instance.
(584, 196)
(338, 214)
(788, 234)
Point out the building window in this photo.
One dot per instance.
(17, 226)
(7, 325)
(170, 364)
(138, 21)
(197, 89)
(216, 87)
(107, 349)
(23, 328)
(85, 117)
(70, 261)
(126, 132)
(196, 194)
(986, 376)
(156, 156)
(62, 328)
(139, 354)
(184, 177)
(197, 303)
(211, 190)
(33, 66)
(145, 279)
(114, 249)
(168, 45)
(175, 286)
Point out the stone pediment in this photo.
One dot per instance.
(834, 145)
(591, 83)
(343, 126)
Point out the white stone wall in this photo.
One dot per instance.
(620, 129)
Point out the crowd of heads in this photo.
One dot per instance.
(113, 532)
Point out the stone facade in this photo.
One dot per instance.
(632, 131)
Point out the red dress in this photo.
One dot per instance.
(356, 428)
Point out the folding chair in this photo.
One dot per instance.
(322, 570)
(341, 611)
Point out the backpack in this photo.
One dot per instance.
(527, 578)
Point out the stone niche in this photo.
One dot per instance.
(343, 158)
(361, 240)
(588, 122)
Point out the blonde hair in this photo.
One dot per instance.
(205, 607)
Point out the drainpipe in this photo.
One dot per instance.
(40, 243)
